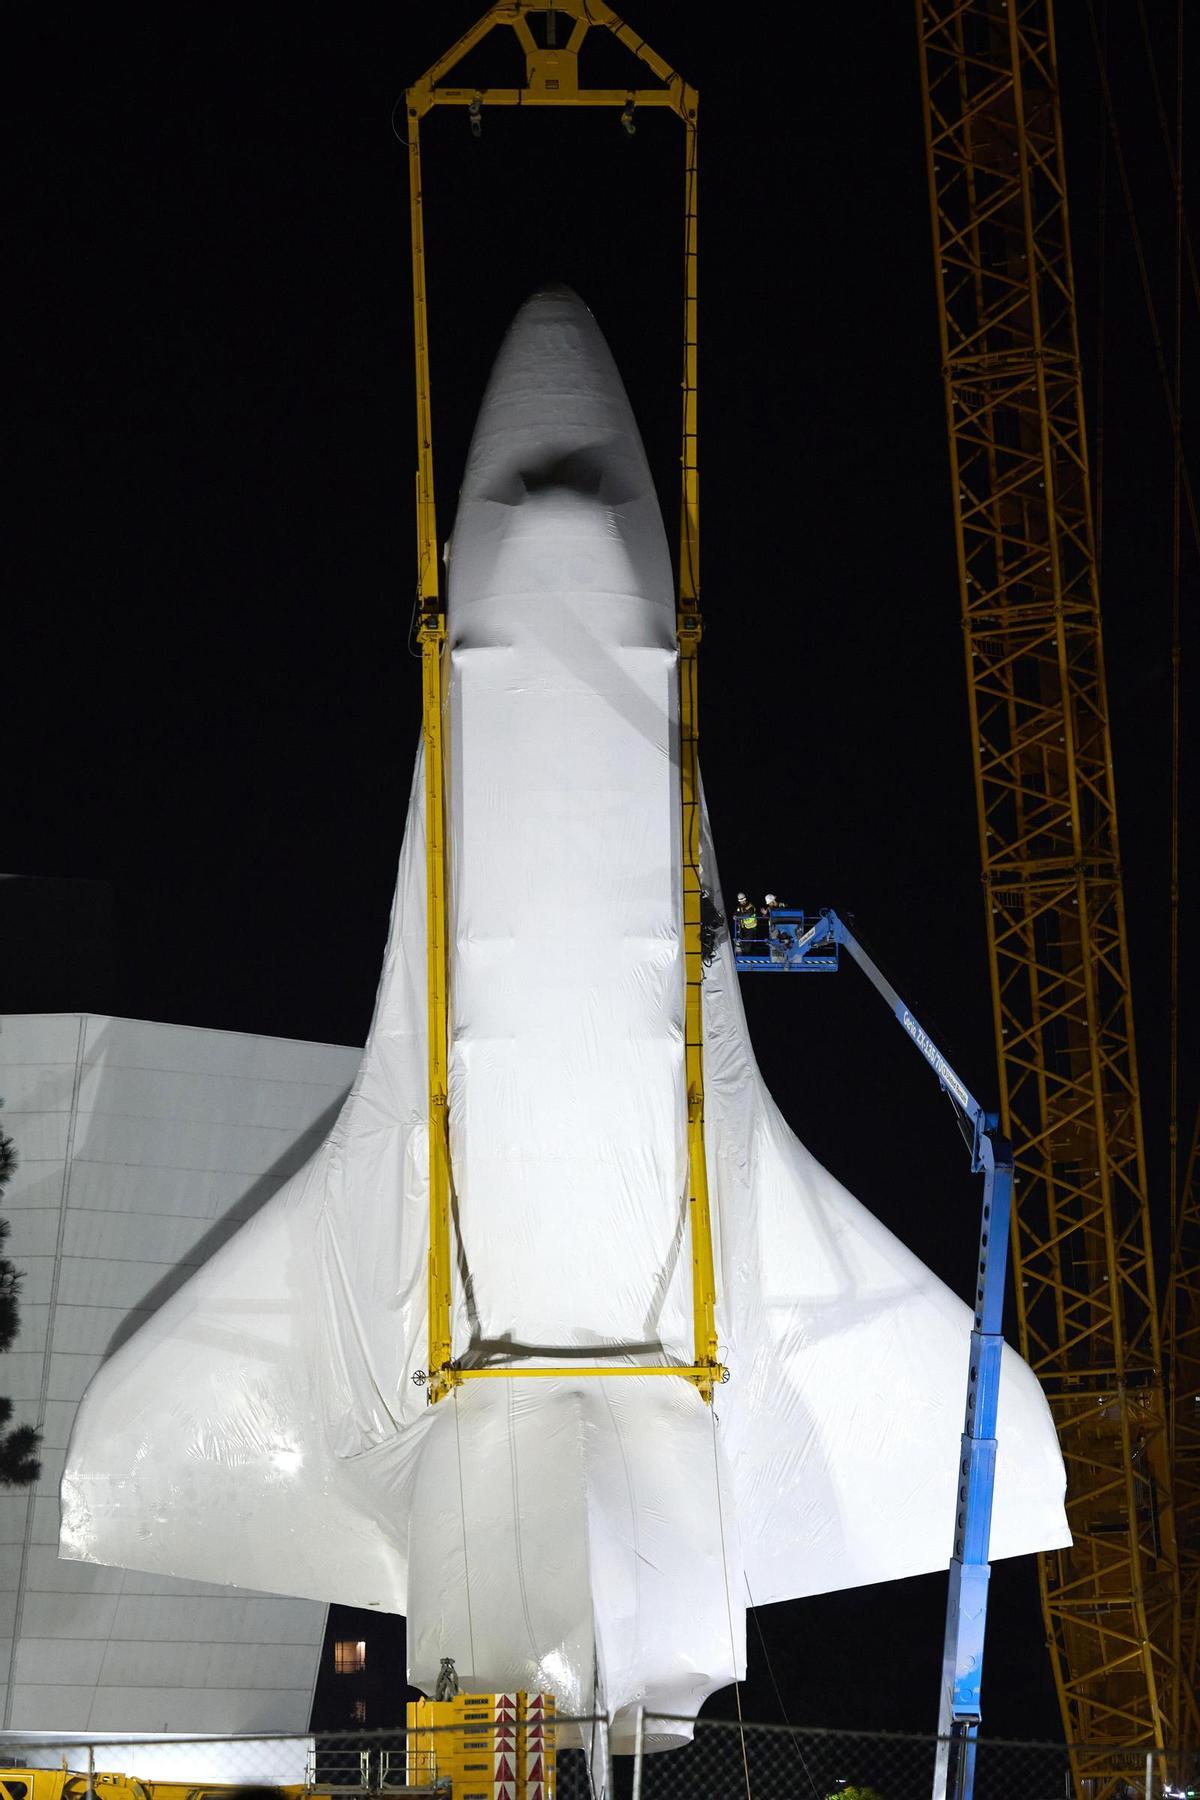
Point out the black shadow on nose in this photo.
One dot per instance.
(581, 471)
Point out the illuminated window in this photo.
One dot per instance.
(349, 1656)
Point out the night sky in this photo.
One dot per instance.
(208, 696)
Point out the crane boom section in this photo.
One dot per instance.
(1083, 1259)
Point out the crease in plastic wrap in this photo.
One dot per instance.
(595, 1539)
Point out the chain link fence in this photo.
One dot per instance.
(724, 1761)
(727, 1761)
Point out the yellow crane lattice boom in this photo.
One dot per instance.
(1082, 1253)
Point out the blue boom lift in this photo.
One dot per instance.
(780, 940)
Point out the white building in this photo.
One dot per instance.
(141, 1149)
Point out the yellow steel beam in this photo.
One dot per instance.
(704, 1295)
(704, 1287)
(496, 96)
(427, 543)
(432, 638)
(705, 1376)
(1082, 1251)
(551, 70)
(552, 79)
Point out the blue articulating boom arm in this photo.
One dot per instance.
(781, 940)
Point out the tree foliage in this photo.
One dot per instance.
(10, 1287)
(855, 1793)
(19, 1464)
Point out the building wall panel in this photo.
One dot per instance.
(141, 1146)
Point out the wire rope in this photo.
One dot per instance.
(737, 1687)
(1174, 159)
(1143, 271)
(1101, 313)
(1176, 645)
(395, 133)
(1174, 393)
(689, 546)
(778, 1694)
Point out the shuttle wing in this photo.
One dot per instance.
(850, 1358)
(230, 1439)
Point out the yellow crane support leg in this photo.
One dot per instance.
(699, 1209)
(1083, 1261)
(552, 79)
(704, 1287)
(432, 639)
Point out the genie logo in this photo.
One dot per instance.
(936, 1060)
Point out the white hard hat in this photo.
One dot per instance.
(771, 900)
(741, 899)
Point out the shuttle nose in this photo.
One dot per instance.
(555, 413)
(557, 497)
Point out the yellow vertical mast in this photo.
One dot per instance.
(688, 627)
(432, 637)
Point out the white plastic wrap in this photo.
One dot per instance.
(595, 1539)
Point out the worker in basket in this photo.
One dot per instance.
(745, 919)
(776, 939)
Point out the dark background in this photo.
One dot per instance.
(209, 703)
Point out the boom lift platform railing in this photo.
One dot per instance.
(790, 941)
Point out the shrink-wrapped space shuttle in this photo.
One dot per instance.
(595, 1539)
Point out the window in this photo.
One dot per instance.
(358, 1712)
(349, 1656)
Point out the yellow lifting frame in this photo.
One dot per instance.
(552, 79)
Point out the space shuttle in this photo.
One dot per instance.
(598, 1540)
